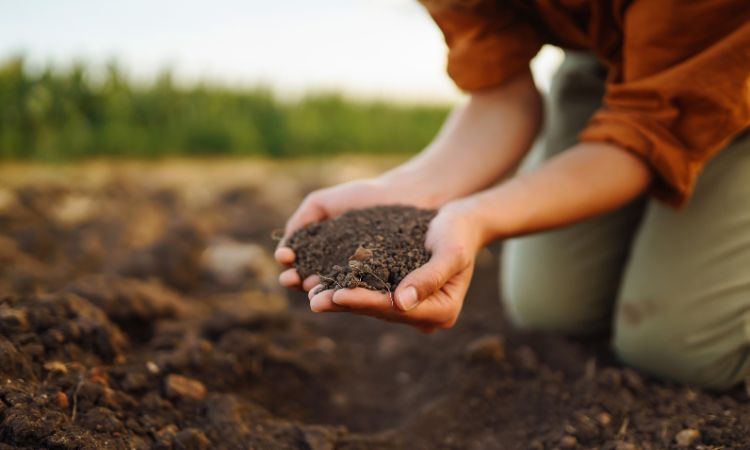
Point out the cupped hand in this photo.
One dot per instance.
(430, 297)
(329, 203)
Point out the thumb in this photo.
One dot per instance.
(428, 279)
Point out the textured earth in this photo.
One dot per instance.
(139, 309)
(374, 248)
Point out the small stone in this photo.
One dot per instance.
(488, 348)
(99, 376)
(205, 346)
(230, 262)
(13, 321)
(361, 254)
(56, 367)
(586, 428)
(568, 441)
(62, 400)
(604, 419)
(166, 434)
(192, 439)
(178, 386)
(687, 437)
(168, 429)
(53, 336)
(152, 367)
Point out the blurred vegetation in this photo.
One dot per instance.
(65, 114)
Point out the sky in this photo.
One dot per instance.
(369, 48)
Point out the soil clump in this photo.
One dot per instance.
(373, 248)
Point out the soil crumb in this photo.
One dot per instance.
(372, 248)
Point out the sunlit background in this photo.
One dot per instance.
(325, 54)
(374, 48)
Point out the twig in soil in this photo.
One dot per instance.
(387, 288)
(75, 399)
(369, 271)
(338, 286)
(624, 427)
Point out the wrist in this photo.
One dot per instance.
(471, 213)
(496, 213)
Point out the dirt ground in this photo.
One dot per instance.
(139, 309)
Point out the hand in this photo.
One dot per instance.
(430, 297)
(331, 202)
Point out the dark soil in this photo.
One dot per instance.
(145, 320)
(373, 248)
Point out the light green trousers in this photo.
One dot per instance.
(673, 284)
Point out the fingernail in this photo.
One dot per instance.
(408, 298)
(317, 304)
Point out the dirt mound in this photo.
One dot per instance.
(163, 331)
(72, 379)
(132, 304)
(373, 248)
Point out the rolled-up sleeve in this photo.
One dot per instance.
(488, 42)
(683, 91)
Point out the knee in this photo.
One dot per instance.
(667, 349)
(542, 307)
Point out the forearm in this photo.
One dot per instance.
(584, 181)
(479, 143)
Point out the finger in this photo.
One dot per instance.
(441, 309)
(314, 290)
(363, 299)
(308, 212)
(290, 278)
(428, 279)
(310, 282)
(284, 256)
(322, 302)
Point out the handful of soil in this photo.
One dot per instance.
(372, 248)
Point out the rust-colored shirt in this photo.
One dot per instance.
(678, 88)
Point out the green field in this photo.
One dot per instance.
(61, 114)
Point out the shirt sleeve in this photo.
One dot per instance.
(683, 91)
(488, 42)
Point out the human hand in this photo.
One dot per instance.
(430, 297)
(333, 201)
